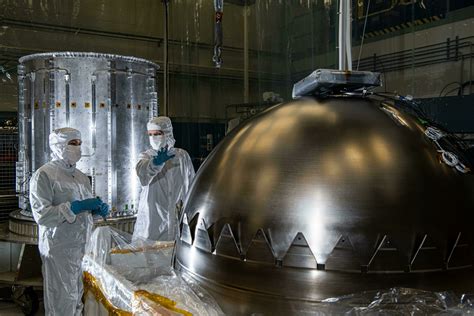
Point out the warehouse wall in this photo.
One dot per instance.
(286, 40)
(428, 81)
(198, 90)
(420, 81)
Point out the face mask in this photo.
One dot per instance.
(72, 154)
(157, 141)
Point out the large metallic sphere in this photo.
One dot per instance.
(320, 198)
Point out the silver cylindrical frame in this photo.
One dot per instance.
(109, 98)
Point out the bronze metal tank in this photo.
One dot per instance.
(317, 198)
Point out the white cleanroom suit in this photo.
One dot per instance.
(164, 183)
(63, 230)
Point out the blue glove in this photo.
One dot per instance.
(103, 210)
(162, 157)
(85, 205)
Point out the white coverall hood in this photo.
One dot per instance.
(58, 142)
(162, 123)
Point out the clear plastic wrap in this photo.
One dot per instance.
(136, 277)
(398, 301)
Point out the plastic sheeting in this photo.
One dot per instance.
(136, 277)
(399, 301)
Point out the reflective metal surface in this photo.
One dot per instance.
(109, 98)
(320, 198)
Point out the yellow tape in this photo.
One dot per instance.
(141, 249)
(163, 301)
(91, 284)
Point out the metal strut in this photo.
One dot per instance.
(345, 33)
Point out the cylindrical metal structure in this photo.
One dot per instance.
(318, 198)
(109, 98)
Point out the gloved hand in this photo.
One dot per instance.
(162, 157)
(86, 205)
(103, 210)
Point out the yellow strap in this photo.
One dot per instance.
(141, 249)
(163, 301)
(91, 284)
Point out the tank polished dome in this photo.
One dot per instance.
(317, 198)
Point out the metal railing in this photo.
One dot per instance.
(452, 50)
(8, 158)
(449, 51)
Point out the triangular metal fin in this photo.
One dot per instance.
(343, 257)
(202, 240)
(210, 233)
(299, 254)
(226, 244)
(387, 257)
(460, 254)
(192, 225)
(185, 234)
(260, 249)
(427, 255)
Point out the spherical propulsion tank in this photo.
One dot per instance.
(322, 197)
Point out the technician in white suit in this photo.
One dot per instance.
(62, 204)
(165, 173)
